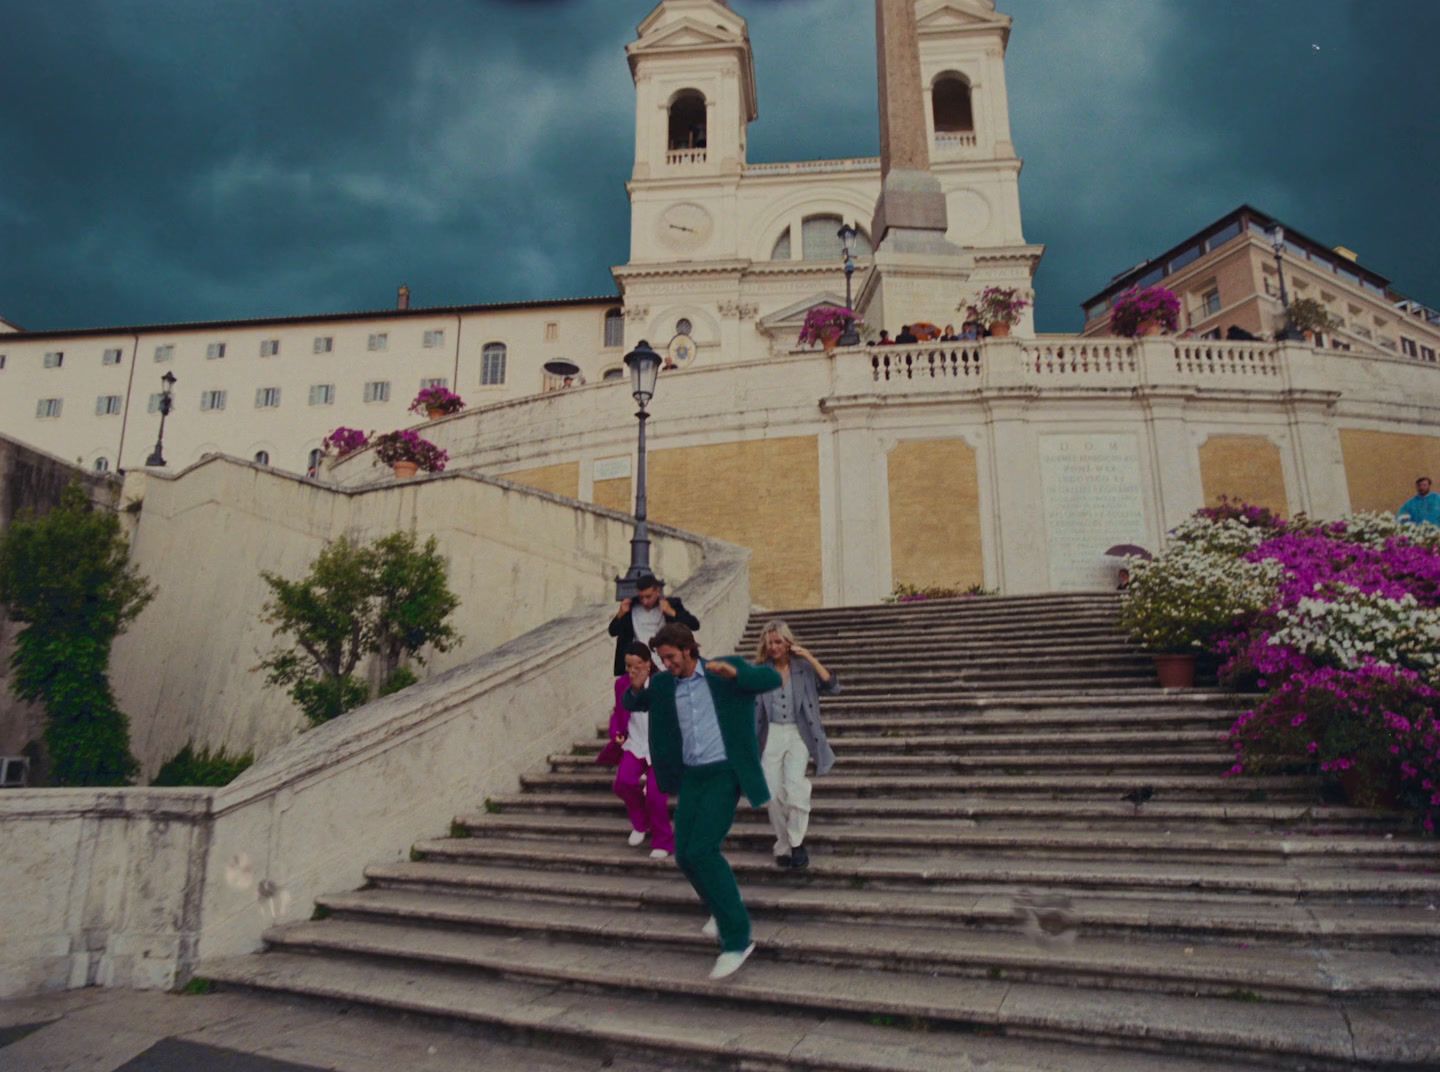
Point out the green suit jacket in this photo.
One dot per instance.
(735, 709)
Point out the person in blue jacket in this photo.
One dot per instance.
(1424, 508)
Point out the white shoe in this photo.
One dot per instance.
(636, 837)
(711, 928)
(659, 854)
(727, 964)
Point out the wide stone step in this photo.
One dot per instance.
(1230, 922)
(1301, 816)
(1294, 1033)
(753, 833)
(992, 873)
(986, 743)
(1178, 786)
(1028, 721)
(682, 1031)
(1074, 699)
(1274, 973)
(850, 759)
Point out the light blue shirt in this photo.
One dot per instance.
(700, 740)
(1422, 510)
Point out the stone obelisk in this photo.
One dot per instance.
(917, 273)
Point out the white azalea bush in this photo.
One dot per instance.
(1353, 627)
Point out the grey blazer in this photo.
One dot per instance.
(807, 689)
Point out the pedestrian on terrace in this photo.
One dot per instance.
(787, 723)
(1424, 508)
(646, 805)
(703, 746)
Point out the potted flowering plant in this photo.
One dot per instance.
(407, 452)
(999, 309)
(1145, 311)
(1309, 316)
(825, 324)
(437, 402)
(344, 441)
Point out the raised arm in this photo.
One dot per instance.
(755, 679)
(675, 611)
(636, 699)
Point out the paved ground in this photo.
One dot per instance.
(126, 1031)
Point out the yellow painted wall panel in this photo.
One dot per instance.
(1245, 468)
(562, 479)
(935, 514)
(614, 494)
(1381, 467)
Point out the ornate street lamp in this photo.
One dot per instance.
(644, 365)
(850, 337)
(157, 456)
(1277, 243)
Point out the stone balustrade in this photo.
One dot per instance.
(685, 157)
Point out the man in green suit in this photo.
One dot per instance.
(703, 746)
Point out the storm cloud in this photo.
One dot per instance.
(202, 159)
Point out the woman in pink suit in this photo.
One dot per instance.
(648, 807)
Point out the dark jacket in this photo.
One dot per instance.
(807, 687)
(735, 709)
(623, 630)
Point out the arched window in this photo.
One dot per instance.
(781, 252)
(615, 328)
(683, 326)
(687, 121)
(102, 465)
(950, 97)
(262, 457)
(492, 364)
(613, 374)
(312, 461)
(820, 237)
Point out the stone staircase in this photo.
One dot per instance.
(979, 895)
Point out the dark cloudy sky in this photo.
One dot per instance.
(202, 159)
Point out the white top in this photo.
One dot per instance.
(637, 737)
(646, 624)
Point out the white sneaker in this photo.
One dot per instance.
(711, 928)
(727, 964)
(659, 854)
(636, 837)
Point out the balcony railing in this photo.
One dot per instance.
(684, 157)
(955, 139)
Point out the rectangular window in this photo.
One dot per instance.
(2, 362)
(434, 339)
(165, 352)
(107, 406)
(377, 391)
(324, 343)
(111, 357)
(215, 350)
(54, 358)
(1408, 345)
(211, 400)
(438, 382)
(1427, 353)
(153, 406)
(267, 397)
(1180, 260)
(614, 331)
(48, 407)
(378, 341)
(492, 366)
(552, 331)
(1220, 237)
(1210, 302)
(322, 394)
(269, 347)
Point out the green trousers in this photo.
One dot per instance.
(703, 816)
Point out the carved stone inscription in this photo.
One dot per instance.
(1093, 501)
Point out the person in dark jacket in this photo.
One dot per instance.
(703, 746)
(644, 616)
(787, 723)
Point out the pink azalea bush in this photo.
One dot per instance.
(345, 441)
(1137, 305)
(823, 320)
(441, 398)
(998, 305)
(407, 445)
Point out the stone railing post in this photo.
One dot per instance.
(1002, 364)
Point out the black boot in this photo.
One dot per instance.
(799, 858)
(784, 862)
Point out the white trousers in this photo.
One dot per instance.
(784, 765)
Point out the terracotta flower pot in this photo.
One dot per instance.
(830, 338)
(999, 330)
(1384, 797)
(435, 412)
(405, 470)
(1147, 327)
(1175, 671)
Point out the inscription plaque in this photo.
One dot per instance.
(1093, 500)
(611, 468)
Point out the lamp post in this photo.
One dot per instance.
(644, 365)
(157, 456)
(1277, 243)
(850, 337)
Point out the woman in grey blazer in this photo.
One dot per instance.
(787, 721)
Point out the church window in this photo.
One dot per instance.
(683, 326)
(262, 457)
(950, 97)
(781, 252)
(615, 328)
(102, 464)
(492, 364)
(619, 373)
(687, 121)
(820, 240)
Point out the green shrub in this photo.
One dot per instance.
(189, 767)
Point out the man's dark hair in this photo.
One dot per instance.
(637, 649)
(676, 635)
(645, 582)
(1426, 479)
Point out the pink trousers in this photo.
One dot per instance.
(649, 809)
